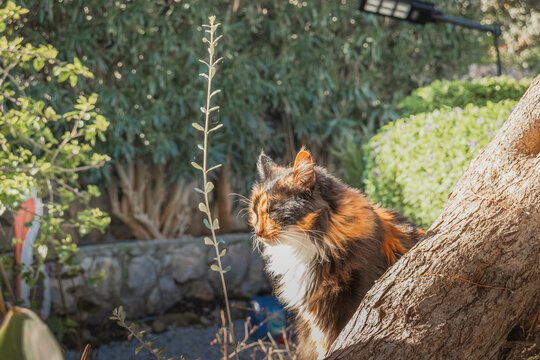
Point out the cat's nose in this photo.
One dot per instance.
(259, 230)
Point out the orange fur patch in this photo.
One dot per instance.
(308, 220)
(354, 219)
(303, 170)
(303, 158)
(270, 229)
(391, 242)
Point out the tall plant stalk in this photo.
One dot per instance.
(212, 223)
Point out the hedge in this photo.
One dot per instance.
(413, 163)
(463, 92)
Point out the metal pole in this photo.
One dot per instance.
(496, 43)
(495, 30)
(496, 34)
(464, 22)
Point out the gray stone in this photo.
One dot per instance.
(56, 299)
(238, 256)
(86, 263)
(134, 305)
(135, 251)
(111, 285)
(201, 290)
(188, 263)
(163, 296)
(180, 319)
(74, 288)
(165, 260)
(141, 274)
(150, 284)
(170, 292)
(153, 301)
(158, 326)
(205, 322)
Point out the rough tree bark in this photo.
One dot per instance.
(459, 292)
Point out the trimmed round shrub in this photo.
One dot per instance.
(412, 164)
(463, 92)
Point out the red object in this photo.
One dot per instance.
(24, 215)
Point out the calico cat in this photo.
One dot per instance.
(324, 245)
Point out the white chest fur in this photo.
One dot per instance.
(292, 261)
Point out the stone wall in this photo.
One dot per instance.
(147, 277)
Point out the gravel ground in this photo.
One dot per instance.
(190, 342)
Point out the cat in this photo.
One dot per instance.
(324, 245)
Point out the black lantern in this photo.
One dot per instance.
(422, 12)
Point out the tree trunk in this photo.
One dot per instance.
(458, 293)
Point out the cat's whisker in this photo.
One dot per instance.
(293, 239)
(243, 212)
(241, 198)
(322, 255)
(242, 201)
(239, 195)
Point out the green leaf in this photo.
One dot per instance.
(213, 168)
(93, 190)
(209, 187)
(63, 76)
(216, 224)
(215, 268)
(223, 252)
(23, 336)
(38, 63)
(73, 80)
(196, 166)
(215, 128)
(208, 241)
(197, 126)
(202, 207)
(207, 224)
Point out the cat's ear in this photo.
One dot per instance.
(264, 167)
(303, 170)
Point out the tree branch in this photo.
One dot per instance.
(447, 297)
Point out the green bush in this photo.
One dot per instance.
(32, 157)
(463, 92)
(413, 163)
(307, 71)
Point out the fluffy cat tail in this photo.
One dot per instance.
(399, 234)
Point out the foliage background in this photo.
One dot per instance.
(520, 20)
(293, 73)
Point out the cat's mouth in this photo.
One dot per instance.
(269, 239)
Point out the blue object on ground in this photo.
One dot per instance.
(269, 314)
